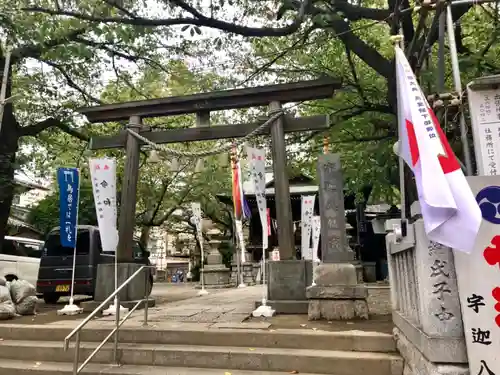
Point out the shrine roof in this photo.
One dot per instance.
(300, 184)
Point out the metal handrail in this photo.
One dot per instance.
(77, 331)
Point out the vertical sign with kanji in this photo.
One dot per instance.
(316, 231)
(68, 180)
(257, 161)
(103, 176)
(306, 214)
(485, 117)
(334, 246)
(478, 276)
(196, 220)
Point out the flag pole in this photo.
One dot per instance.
(260, 189)
(74, 250)
(71, 308)
(239, 265)
(458, 88)
(203, 291)
(398, 43)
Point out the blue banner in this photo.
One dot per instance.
(69, 185)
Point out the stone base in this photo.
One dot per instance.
(134, 291)
(248, 277)
(287, 307)
(248, 274)
(437, 349)
(219, 286)
(337, 309)
(337, 294)
(417, 364)
(336, 274)
(370, 272)
(359, 271)
(234, 274)
(288, 280)
(216, 275)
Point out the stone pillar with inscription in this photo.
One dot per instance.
(425, 302)
(337, 294)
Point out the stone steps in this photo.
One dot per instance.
(183, 348)
(194, 334)
(330, 362)
(13, 367)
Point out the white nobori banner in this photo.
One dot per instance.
(316, 232)
(257, 159)
(196, 220)
(103, 176)
(307, 210)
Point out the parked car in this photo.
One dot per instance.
(56, 264)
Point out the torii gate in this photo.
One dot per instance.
(272, 96)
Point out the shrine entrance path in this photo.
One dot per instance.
(179, 306)
(220, 306)
(379, 306)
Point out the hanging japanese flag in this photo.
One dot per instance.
(450, 212)
(257, 161)
(241, 208)
(305, 225)
(103, 175)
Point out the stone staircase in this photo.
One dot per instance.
(189, 349)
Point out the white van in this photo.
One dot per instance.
(20, 258)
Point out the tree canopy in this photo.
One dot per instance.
(88, 52)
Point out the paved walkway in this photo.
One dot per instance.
(220, 306)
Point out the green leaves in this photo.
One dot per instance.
(45, 215)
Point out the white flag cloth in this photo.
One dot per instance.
(451, 214)
(257, 158)
(316, 230)
(103, 176)
(241, 239)
(305, 227)
(196, 220)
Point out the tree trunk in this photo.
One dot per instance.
(8, 148)
(7, 158)
(144, 240)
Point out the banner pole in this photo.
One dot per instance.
(264, 248)
(258, 158)
(71, 308)
(458, 88)
(239, 265)
(76, 241)
(196, 220)
(203, 291)
(202, 263)
(397, 40)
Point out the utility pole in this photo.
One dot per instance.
(3, 88)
